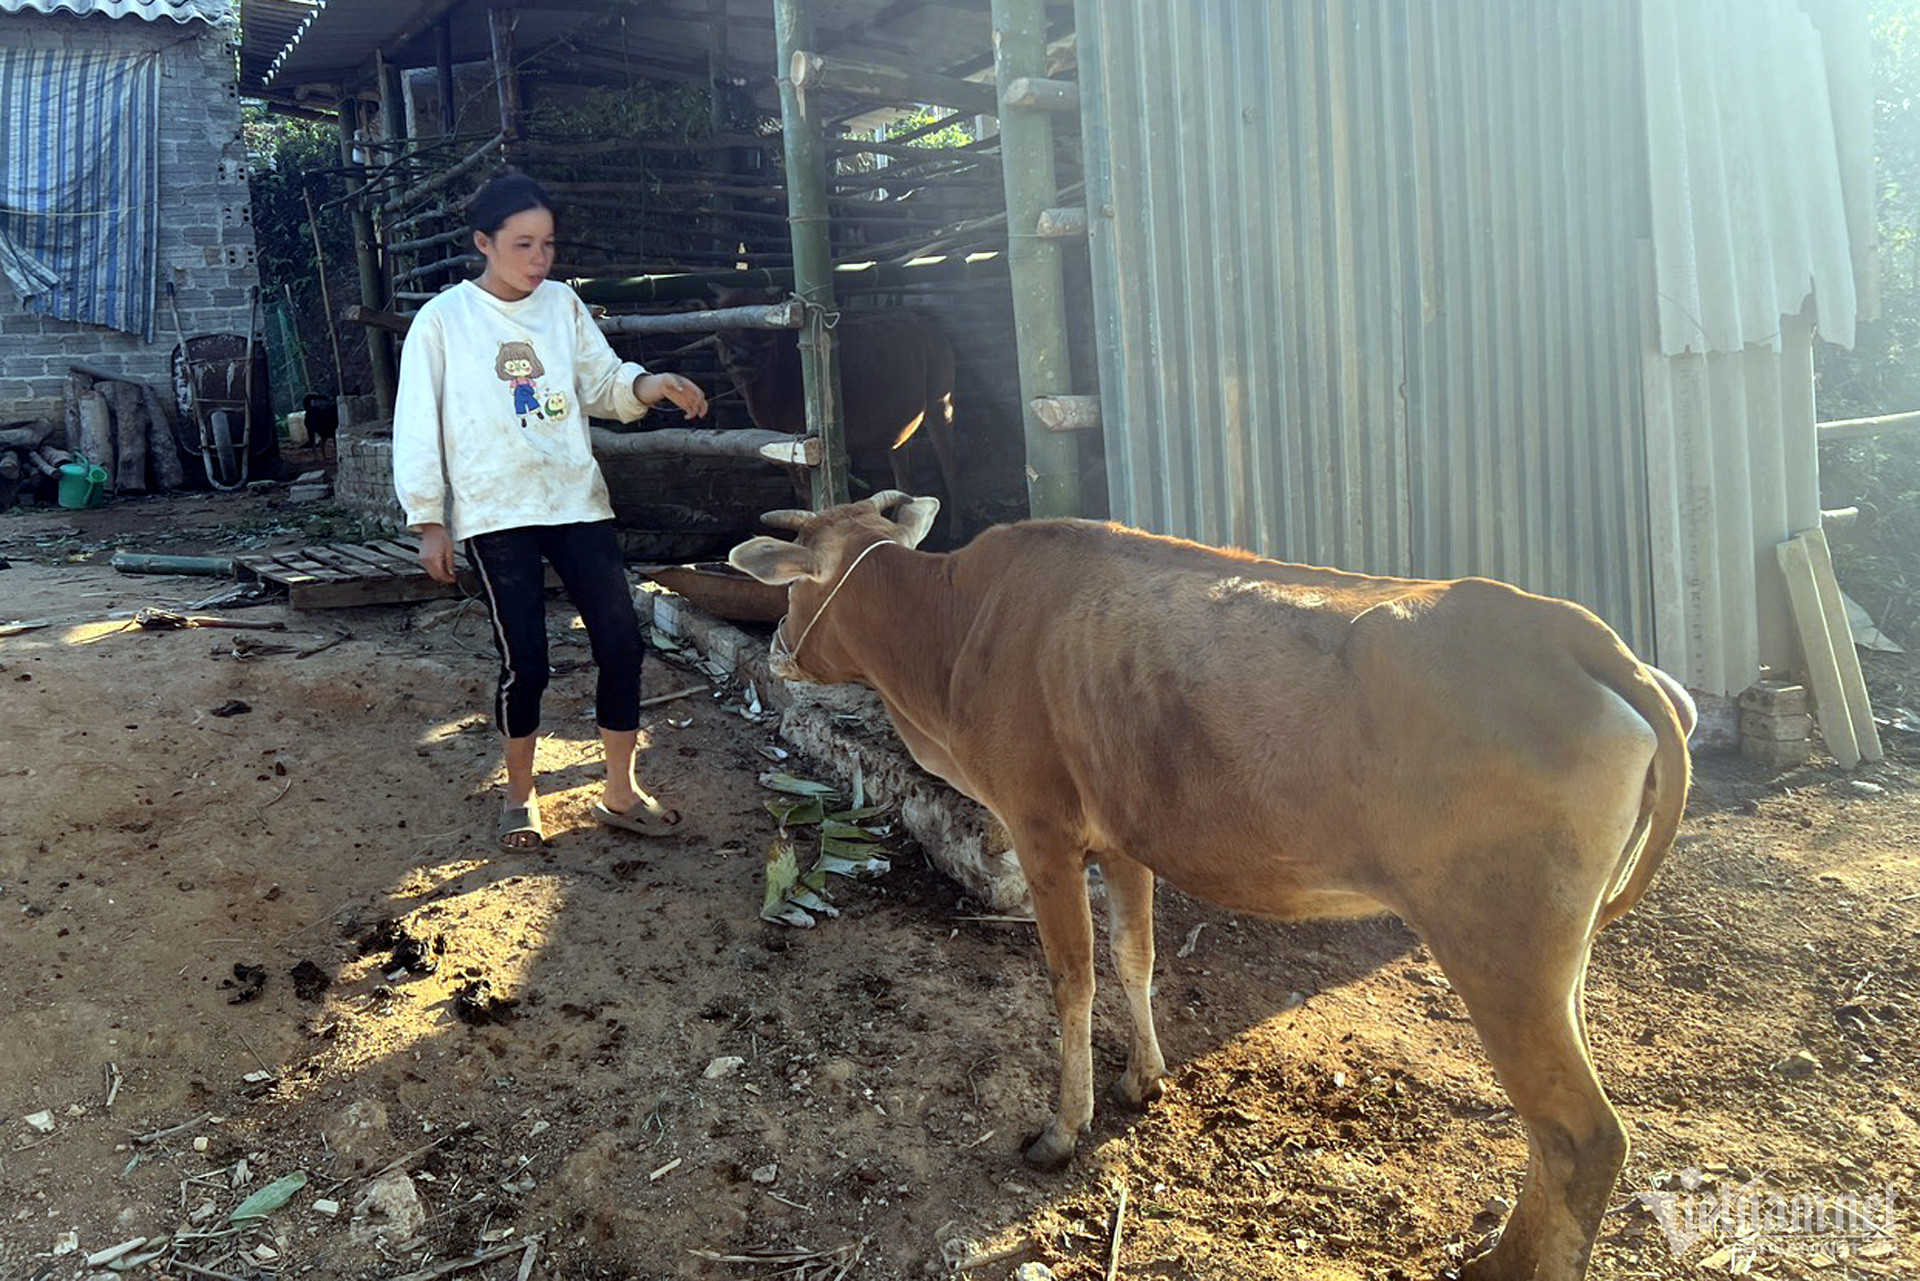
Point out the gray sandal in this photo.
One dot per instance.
(517, 822)
(643, 819)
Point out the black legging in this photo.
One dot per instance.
(587, 558)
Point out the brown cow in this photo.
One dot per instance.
(896, 377)
(1496, 768)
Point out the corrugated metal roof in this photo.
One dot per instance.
(1365, 287)
(331, 51)
(213, 11)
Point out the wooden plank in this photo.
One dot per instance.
(299, 562)
(399, 551)
(378, 558)
(351, 566)
(1853, 681)
(1817, 651)
(374, 591)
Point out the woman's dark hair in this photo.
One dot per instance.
(505, 196)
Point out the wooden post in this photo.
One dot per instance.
(506, 80)
(812, 253)
(393, 128)
(373, 288)
(326, 297)
(1039, 309)
(443, 69)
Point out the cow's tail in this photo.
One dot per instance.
(1667, 708)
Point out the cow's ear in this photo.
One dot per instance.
(774, 561)
(915, 517)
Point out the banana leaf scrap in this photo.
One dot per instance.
(849, 847)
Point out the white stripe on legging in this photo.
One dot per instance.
(499, 632)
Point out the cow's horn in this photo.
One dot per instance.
(888, 499)
(787, 518)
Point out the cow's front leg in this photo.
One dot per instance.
(1057, 878)
(1130, 937)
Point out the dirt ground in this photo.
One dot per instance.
(521, 1059)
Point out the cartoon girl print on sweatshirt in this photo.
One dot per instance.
(517, 364)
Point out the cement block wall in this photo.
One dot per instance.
(205, 244)
(363, 479)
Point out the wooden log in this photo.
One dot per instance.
(163, 447)
(96, 430)
(11, 468)
(391, 321)
(1041, 95)
(814, 72)
(1067, 413)
(52, 456)
(33, 459)
(129, 437)
(1063, 224)
(695, 442)
(77, 384)
(27, 435)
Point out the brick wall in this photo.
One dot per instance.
(205, 238)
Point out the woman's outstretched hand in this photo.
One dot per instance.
(684, 392)
(436, 553)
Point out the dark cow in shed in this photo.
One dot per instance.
(1496, 768)
(896, 385)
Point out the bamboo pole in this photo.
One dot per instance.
(1039, 310)
(851, 277)
(695, 442)
(779, 315)
(1865, 428)
(812, 251)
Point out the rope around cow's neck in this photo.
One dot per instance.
(779, 641)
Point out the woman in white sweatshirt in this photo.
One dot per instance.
(491, 448)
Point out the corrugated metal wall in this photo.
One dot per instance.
(1366, 284)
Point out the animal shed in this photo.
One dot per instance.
(1349, 298)
(658, 130)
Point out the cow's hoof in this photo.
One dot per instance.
(1127, 1098)
(1046, 1150)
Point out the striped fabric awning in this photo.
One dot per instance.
(79, 183)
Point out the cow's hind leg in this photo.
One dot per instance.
(1057, 878)
(1523, 987)
(1130, 936)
